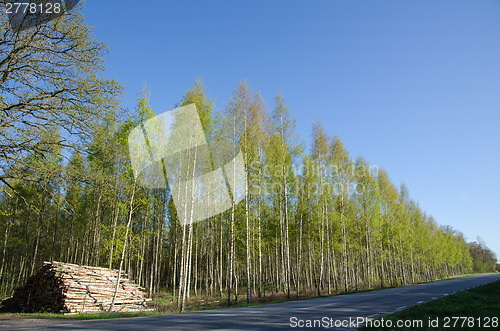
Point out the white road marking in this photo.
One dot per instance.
(419, 302)
(326, 305)
(434, 298)
(402, 307)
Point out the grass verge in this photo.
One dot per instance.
(474, 309)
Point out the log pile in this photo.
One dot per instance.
(71, 288)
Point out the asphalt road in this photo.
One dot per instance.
(330, 311)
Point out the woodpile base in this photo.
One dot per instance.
(71, 288)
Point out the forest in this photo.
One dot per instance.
(314, 220)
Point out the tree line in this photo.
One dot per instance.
(314, 221)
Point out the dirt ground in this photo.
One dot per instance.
(11, 316)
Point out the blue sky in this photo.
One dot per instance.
(413, 86)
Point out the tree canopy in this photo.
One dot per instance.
(50, 80)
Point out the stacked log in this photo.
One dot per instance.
(71, 288)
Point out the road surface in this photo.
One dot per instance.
(338, 312)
